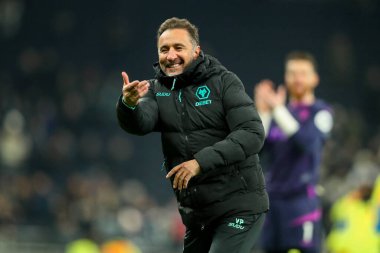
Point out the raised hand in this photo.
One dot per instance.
(267, 98)
(262, 90)
(133, 91)
(280, 98)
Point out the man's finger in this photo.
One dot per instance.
(281, 92)
(142, 84)
(178, 179)
(281, 89)
(173, 171)
(186, 181)
(130, 86)
(267, 82)
(125, 77)
(143, 90)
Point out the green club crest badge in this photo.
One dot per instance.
(203, 92)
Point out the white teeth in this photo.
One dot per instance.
(174, 66)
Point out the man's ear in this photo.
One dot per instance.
(197, 51)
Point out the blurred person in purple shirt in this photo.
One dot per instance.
(295, 135)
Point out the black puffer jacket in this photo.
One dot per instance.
(205, 114)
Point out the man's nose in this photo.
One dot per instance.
(172, 55)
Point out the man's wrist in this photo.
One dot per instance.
(132, 107)
(285, 120)
(266, 118)
(274, 104)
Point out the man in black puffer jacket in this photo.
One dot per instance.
(211, 135)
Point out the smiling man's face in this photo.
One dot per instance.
(176, 51)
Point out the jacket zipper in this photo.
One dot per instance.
(173, 85)
(183, 119)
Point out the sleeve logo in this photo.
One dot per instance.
(162, 94)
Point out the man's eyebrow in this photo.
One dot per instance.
(179, 44)
(174, 45)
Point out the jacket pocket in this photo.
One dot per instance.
(254, 179)
(218, 190)
(244, 182)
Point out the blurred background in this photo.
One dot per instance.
(68, 172)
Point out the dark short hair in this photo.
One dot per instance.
(301, 55)
(177, 23)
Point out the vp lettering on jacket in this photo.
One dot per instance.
(237, 224)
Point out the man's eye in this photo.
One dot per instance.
(163, 50)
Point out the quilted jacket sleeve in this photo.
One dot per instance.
(141, 120)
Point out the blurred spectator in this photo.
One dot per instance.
(356, 220)
(10, 17)
(120, 246)
(82, 246)
(15, 144)
(341, 59)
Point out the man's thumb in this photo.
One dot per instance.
(281, 90)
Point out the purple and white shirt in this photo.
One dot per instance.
(293, 148)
